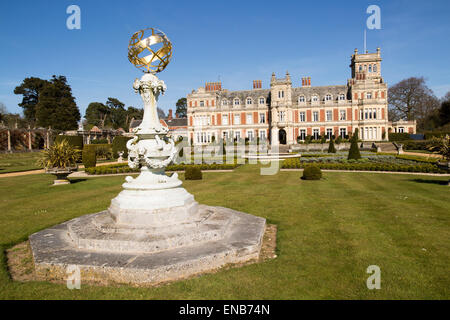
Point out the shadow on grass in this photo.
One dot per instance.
(440, 182)
(77, 180)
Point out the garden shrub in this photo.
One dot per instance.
(75, 141)
(331, 147)
(89, 156)
(103, 151)
(120, 144)
(399, 136)
(193, 173)
(354, 153)
(312, 173)
(99, 141)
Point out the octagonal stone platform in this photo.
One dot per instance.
(107, 251)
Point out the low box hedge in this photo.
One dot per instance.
(124, 168)
(366, 166)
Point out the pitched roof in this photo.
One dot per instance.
(175, 122)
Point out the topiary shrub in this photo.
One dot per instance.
(120, 144)
(331, 147)
(193, 173)
(354, 153)
(89, 156)
(312, 173)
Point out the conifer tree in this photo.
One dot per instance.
(354, 149)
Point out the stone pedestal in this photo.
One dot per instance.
(154, 230)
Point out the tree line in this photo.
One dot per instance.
(412, 99)
(50, 103)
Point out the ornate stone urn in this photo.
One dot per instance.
(61, 174)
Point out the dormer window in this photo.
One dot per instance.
(328, 97)
(249, 101)
(315, 98)
(342, 97)
(236, 102)
(261, 100)
(224, 102)
(301, 99)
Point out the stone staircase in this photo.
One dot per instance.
(387, 147)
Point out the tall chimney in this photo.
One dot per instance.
(309, 81)
(170, 115)
(257, 84)
(303, 82)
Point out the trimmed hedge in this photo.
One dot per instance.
(103, 150)
(99, 141)
(312, 173)
(365, 166)
(124, 168)
(75, 141)
(416, 145)
(89, 156)
(399, 136)
(437, 134)
(120, 144)
(193, 173)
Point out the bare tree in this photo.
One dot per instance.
(411, 99)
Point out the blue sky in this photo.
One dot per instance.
(234, 41)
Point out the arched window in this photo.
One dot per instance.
(360, 68)
(374, 68)
(236, 102)
(249, 101)
(369, 95)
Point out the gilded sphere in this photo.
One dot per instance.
(150, 50)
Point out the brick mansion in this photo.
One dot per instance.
(285, 114)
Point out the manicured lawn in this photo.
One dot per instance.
(329, 232)
(13, 162)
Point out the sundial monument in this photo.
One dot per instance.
(154, 230)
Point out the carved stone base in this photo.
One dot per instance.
(105, 251)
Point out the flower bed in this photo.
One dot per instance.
(124, 168)
(365, 164)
